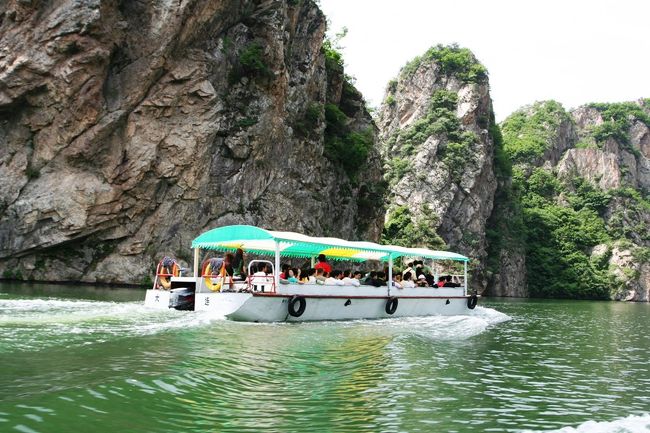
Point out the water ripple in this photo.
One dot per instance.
(541, 366)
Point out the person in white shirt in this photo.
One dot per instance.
(397, 281)
(311, 276)
(350, 281)
(335, 278)
(407, 281)
(261, 279)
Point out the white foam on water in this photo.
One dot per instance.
(437, 327)
(630, 424)
(455, 327)
(66, 322)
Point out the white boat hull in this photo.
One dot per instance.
(276, 308)
(158, 299)
(322, 302)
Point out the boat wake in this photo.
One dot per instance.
(630, 424)
(29, 324)
(452, 327)
(32, 324)
(429, 327)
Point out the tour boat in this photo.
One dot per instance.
(270, 299)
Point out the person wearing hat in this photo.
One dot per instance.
(422, 281)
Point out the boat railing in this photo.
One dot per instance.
(261, 283)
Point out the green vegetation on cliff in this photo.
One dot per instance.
(440, 119)
(451, 59)
(249, 62)
(558, 237)
(557, 221)
(348, 148)
(529, 132)
(345, 147)
(617, 120)
(404, 229)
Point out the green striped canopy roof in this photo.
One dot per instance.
(260, 241)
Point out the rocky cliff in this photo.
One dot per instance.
(435, 131)
(129, 127)
(577, 204)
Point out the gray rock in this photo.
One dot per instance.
(130, 129)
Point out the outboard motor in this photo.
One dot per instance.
(182, 298)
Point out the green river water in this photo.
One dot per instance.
(80, 359)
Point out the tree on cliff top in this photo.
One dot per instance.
(451, 59)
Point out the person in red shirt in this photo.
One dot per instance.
(322, 264)
(441, 282)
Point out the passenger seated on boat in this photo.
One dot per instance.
(261, 279)
(372, 275)
(380, 280)
(335, 278)
(302, 275)
(262, 271)
(397, 281)
(431, 282)
(309, 276)
(409, 268)
(357, 276)
(322, 263)
(421, 269)
(449, 282)
(283, 274)
(441, 281)
(407, 281)
(348, 281)
(291, 276)
(422, 281)
(320, 276)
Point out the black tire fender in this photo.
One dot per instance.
(391, 305)
(472, 301)
(302, 304)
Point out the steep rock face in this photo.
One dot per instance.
(434, 135)
(130, 127)
(631, 272)
(586, 185)
(616, 160)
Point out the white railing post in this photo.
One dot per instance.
(465, 278)
(276, 271)
(434, 268)
(389, 282)
(195, 268)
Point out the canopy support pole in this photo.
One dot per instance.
(276, 271)
(465, 278)
(313, 261)
(195, 269)
(434, 268)
(389, 283)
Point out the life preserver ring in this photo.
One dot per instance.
(292, 306)
(207, 274)
(472, 301)
(164, 275)
(391, 305)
